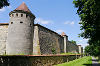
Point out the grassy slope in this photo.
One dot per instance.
(85, 61)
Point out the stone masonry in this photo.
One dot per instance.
(45, 41)
(20, 31)
(3, 37)
(49, 41)
(80, 49)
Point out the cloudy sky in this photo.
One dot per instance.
(57, 15)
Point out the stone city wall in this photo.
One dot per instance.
(45, 41)
(71, 48)
(3, 37)
(50, 42)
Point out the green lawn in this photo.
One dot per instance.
(85, 61)
(68, 53)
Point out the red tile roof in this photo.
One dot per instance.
(23, 7)
(63, 34)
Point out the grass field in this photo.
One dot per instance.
(85, 61)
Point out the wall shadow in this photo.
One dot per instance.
(87, 64)
(91, 64)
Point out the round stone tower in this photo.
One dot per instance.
(20, 31)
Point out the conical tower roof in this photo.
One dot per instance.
(23, 7)
(63, 34)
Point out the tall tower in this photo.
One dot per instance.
(20, 31)
(65, 41)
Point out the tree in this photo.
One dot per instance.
(89, 13)
(3, 3)
(92, 50)
(72, 41)
(89, 50)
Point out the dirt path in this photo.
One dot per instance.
(95, 62)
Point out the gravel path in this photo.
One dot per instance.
(95, 62)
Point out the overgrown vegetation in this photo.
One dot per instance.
(53, 50)
(85, 61)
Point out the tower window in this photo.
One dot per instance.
(21, 22)
(21, 15)
(11, 22)
(16, 14)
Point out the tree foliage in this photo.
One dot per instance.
(72, 41)
(89, 13)
(3, 3)
(92, 50)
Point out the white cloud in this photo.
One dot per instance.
(59, 31)
(69, 23)
(83, 42)
(2, 10)
(42, 21)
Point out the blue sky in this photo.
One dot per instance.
(57, 15)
